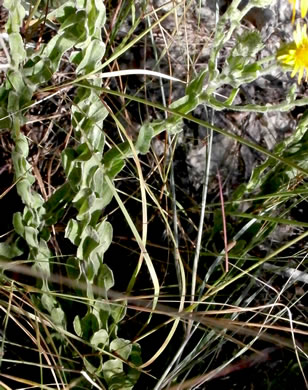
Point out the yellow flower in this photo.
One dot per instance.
(304, 8)
(295, 54)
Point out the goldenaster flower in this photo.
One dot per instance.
(295, 54)
(304, 7)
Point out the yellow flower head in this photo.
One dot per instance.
(295, 54)
(304, 7)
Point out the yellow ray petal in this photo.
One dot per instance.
(304, 7)
(293, 3)
(295, 54)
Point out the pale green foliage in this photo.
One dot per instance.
(261, 3)
(86, 189)
(90, 167)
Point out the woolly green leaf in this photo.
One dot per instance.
(48, 302)
(93, 53)
(247, 74)
(261, 3)
(71, 167)
(121, 347)
(102, 187)
(77, 326)
(18, 53)
(195, 87)
(58, 316)
(62, 12)
(88, 169)
(135, 357)
(105, 279)
(16, 15)
(86, 205)
(56, 47)
(100, 339)
(56, 205)
(96, 17)
(112, 368)
(113, 159)
(18, 224)
(247, 46)
(85, 194)
(72, 268)
(30, 235)
(95, 135)
(90, 366)
(185, 104)
(73, 19)
(16, 79)
(145, 136)
(75, 57)
(174, 125)
(97, 111)
(104, 231)
(5, 119)
(238, 69)
(38, 70)
(13, 103)
(116, 167)
(83, 153)
(87, 326)
(99, 184)
(68, 156)
(73, 231)
(190, 101)
(101, 310)
(117, 312)
(21, 150)
(10, 250)
(291, 95)
(115, 376)
(90, 241)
